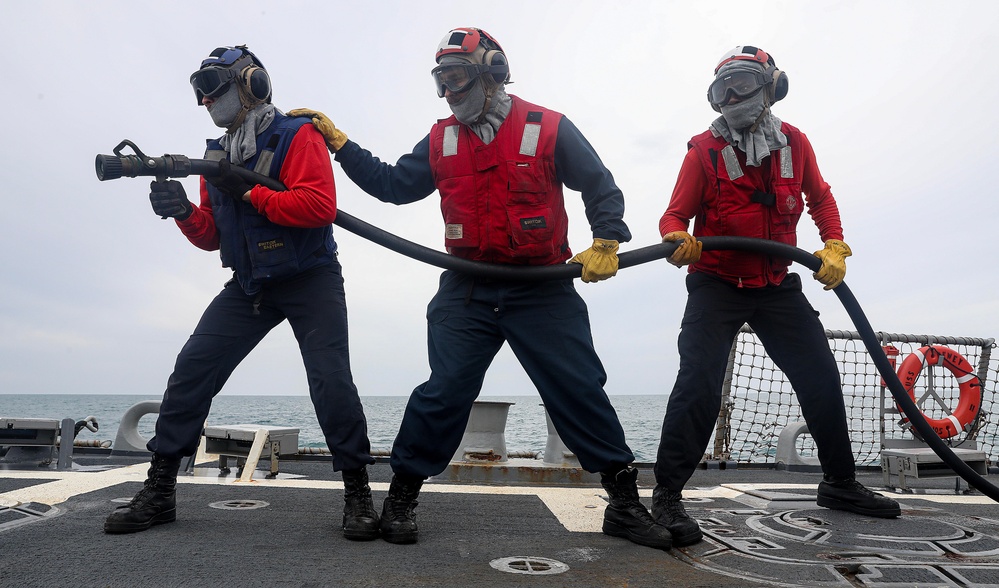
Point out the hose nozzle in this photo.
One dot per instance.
(112, 167)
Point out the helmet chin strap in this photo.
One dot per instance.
(763, 114)
(489, 90)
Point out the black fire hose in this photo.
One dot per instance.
(176, 166)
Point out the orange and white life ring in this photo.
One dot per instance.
(970, 400)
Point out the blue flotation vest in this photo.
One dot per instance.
(258, 250)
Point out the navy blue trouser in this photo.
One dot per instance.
(790, 331)
(548, 329)
(232, 325)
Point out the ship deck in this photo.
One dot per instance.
(762, 528)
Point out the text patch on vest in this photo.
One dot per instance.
(534, 222)
(271, 245)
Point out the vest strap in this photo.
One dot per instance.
(763, 198)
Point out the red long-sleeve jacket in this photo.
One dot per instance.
(723, 205)
(309, 201)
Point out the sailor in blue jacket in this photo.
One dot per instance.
(500, 164)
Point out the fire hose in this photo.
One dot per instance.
(111, 167)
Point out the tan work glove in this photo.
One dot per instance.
(833, 269)
(335, 138)
(599, 261)
(687, 252)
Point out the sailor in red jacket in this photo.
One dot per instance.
(752, 175)
(499, 164)
(280, 247)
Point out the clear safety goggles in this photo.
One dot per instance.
(742, 84)
(457, 77)
(212, 81)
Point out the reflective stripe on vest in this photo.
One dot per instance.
(786, 170)
(731, 163)
(529, 144)
(450, 141)
(264, 162)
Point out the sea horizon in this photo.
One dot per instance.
(526, 428)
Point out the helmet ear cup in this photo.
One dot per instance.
(779, 85)
(498, 60)
(256, 82)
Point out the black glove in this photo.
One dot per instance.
(227, 181)
(169, 199)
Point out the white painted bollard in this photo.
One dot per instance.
(128, 439)
(787, 452)
(484, 439)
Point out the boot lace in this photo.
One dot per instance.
(854, 486)
(400, 509)
(360, 506)
(142, 496)
(675, 508)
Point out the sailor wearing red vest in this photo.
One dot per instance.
(751, 175)
(499, 164)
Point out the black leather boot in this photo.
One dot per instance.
(398, 524)
(155, 504)
(360, 521)
(849, 494)
(668, 511)
(626, 516)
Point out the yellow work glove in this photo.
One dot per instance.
(687, 252)
(833, 269)
(335, 138)
(599, 261)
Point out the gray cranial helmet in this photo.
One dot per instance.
(226, 65)
(464, 56)
(760, 73)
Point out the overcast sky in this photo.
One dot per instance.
(97, 294)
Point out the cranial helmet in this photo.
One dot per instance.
(225, 65)
(483, 53)
(745, 84)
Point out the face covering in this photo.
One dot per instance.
(742, 115)
(469, 109)
(226, 108)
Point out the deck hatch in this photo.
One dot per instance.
(239, 504)
(522, 564)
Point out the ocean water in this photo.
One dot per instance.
(526, 429)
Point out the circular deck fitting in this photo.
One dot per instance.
(239, 504)
(524, 564)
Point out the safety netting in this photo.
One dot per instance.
(758, 402)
